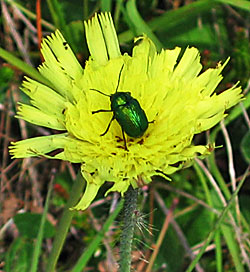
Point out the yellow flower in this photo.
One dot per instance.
(175, 95)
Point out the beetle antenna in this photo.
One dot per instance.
(100, 92)
(119, 77)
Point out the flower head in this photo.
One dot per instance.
(178, 100)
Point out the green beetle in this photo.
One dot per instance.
(128, 113)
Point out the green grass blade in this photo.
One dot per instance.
(217, 224)
(218, 250)
(218, 176)
(242, 4)
(139, 25)
(229, 236)
(58, 16)
(106, 5)
(203, 183)
(95, 243)
(22, 66)
(65, 221)
(172, 18)
(30, 14)
(233, 114)
(118, 9)
(38, 244)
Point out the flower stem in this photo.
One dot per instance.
(128, 229)
(65, 222)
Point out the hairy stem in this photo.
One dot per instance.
(128, 229)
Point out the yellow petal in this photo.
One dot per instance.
(37, 146)
(102, 39)
(90, 192)
(40, 118)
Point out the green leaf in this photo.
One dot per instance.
(187, 33)
(18, 256)
(6, 74)
(171, 252)
(198, 225)
(245, 147)
(28, 225)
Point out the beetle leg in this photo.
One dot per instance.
(108, 126)
(124, 139)
(93, 112)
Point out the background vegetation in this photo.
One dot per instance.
(200, 220)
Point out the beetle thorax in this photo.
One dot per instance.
(119, 99)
